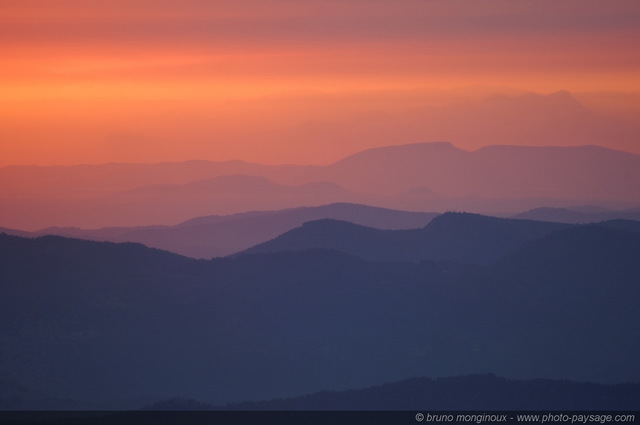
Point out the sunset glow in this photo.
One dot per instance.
(263, 210)
(72, 73)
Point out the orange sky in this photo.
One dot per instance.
(182, 79)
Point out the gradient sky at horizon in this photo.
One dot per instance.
(74, 73)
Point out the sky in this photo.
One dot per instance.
(162, 80)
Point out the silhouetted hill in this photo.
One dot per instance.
(474, 392)
(459, 237)
(100, 321)
(478, 238)
(58, 252)
(338, 235)
(216, 236)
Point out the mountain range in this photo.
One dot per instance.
(494, 172)
(417, 177)
(463, 237)
(218, 236)
(102, 321)
(558, 119)
(221, 235)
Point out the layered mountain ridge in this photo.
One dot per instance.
(280, 324)
(418, 177)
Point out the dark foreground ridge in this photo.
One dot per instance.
(100, 322)
(473, 392)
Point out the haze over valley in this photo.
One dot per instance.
(319, 205)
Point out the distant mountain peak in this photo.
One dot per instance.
(561, 94)
(416, 150)
(564, 97)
